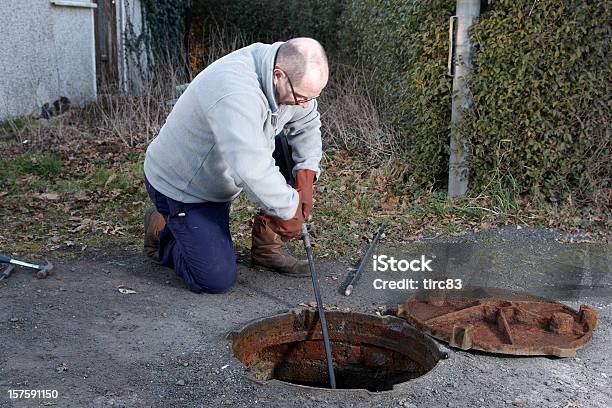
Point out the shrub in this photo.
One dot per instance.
(406, 45)
(541, 97)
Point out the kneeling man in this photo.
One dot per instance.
(248, 122)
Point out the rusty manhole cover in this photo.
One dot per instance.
(369, 352)
(501, 321)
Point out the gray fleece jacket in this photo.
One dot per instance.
(219, 138)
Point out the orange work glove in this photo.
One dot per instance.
(304, 180)
(291, 228)
(287, 230)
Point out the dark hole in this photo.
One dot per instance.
(369, 352)
(356, 365)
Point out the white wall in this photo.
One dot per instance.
(46, 51)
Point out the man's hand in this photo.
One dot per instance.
(304, 180)
(287, 230)
(291, 229)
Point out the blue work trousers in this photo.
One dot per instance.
(196, 241)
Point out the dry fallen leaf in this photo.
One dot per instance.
(48, 196)
(81, 196)
(126, 290)
(389, 203)
(110, 179)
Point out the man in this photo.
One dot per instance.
(248, 122)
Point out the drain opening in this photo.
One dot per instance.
(369, 352)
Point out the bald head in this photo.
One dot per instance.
(304, 60)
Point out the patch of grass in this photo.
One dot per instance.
(141, 195)
(137, 171)
(99, 177)
(130, 157)
(10, 170)
(25, 247)
(37, 184)
(16, 123)
(119, 182)
(451, 228)
(437, 205)
(46, 166)
(242, 213)
(69, 185)
(109, 178)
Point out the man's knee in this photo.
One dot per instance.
(213, 278)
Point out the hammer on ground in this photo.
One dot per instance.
(43, 270)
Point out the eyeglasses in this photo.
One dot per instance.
(295, 97)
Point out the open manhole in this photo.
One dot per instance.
(369, 352)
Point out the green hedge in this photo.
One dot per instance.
(164, 29)
(406, 44)
(274, 20)
(540, 121)
(542, 97)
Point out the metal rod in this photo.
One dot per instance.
(315, 285)
(364, 260)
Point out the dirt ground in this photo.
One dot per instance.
(164, 346)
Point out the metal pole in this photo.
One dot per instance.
(364, 261)
(458, 171)
(315, 285)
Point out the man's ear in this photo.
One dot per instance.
(277, 75)
(274, 76)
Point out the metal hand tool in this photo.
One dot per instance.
(7, 272)
(315, 285)
(43, 270)
(365, 260)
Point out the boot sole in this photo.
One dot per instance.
(289, 274)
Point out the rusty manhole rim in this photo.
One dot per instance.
(432, 342)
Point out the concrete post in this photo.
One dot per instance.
(458, 171)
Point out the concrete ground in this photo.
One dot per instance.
(164, 346)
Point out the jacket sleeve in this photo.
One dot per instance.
(237, 124)
(304, 136)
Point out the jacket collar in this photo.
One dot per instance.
(265, 65)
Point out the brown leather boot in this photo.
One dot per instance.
(267, 251)
(154, 222)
